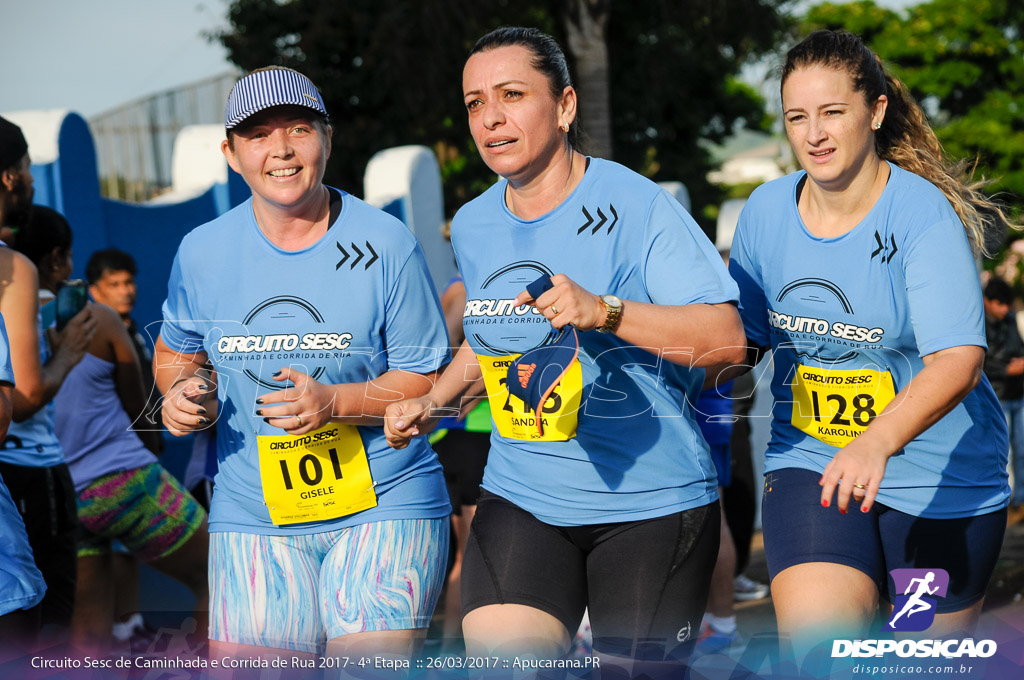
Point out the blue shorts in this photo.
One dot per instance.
(797, 530)
(298, 591)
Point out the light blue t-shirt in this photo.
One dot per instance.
(33, 442)
(636, 453)
(6, 370)
(21, 583)
(900, 285)
(354, 305)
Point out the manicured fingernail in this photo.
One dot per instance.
(259, 401)
(204, 387)
(203, 421)
(824, 503)
(201, 411)
(259, 411)
(267, 421)
(863, 508)
(399, 424)
(841, 511)
(277, 374)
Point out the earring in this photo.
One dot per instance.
(564, 127)
(877, 126)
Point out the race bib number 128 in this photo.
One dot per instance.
(836, 406)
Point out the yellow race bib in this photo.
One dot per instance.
(320, 475)
(836, 406)
(560, 413)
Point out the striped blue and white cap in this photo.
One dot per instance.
(273, 87)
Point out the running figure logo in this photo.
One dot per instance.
(914, 610)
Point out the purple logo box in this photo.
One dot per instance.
(915, 601)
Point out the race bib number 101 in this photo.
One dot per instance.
(320, 475)
(836, 406)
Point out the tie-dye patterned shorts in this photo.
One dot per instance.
(145, 508)
(299, 591)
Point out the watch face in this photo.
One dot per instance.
(611, 300)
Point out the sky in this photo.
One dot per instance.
(91, 56)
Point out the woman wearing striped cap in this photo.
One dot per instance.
(292, 321)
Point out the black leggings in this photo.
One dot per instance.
(645, 582)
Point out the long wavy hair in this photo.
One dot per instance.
(905, 138)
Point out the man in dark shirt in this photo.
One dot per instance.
(1004, 367)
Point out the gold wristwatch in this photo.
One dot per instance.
(613, 305)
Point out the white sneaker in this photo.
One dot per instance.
(748, 590)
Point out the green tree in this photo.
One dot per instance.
(586, 25)
(674, 69)
(391, 72)
(965, 62)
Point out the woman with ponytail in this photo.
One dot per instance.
(858, 272)
(599, 493)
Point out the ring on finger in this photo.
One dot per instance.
(860, 486)
(299, 419)
(554, 309)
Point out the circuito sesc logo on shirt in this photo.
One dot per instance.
(283, 329)
(493, 321)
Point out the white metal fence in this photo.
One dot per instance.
(134, 140)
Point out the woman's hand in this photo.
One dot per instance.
(407, 419)
(307, 406)
(566, 302)
(183, 408)
(855, 471)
